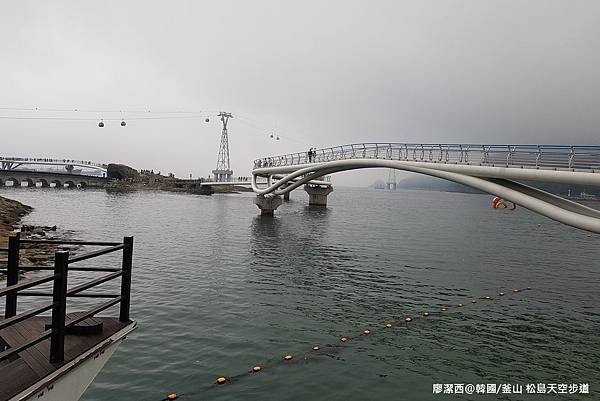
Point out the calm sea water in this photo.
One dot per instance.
(218, 289)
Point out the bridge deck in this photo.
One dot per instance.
(552, 157)
(217, 183)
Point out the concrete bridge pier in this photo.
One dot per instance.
(317, 195)
(267, 204)
(286, 196)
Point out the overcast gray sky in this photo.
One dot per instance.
(316, 73)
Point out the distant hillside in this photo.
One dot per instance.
(427, 183)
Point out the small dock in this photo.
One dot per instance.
(58, 356)
(33, 364)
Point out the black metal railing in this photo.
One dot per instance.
(60, 291)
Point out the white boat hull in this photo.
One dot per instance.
(70, 381)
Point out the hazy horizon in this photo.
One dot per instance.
(312, 73)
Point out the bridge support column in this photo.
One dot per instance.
(286, 196)
(267, 204)
(317, 195)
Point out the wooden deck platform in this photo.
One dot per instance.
(33, 363)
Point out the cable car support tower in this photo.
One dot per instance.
(223, 172)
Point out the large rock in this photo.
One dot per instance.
(11, 212)
(121, 172)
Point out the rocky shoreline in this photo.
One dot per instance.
(11, 212)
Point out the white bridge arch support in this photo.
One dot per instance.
(499, 180)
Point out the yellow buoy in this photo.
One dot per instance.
(316, 348)
(389, 325)
(343, 339)
(256, 369)
(172, 396)
(221, 380)
(408, 319)
(287, 357)
(367, 332)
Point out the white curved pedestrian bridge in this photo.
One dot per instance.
(38, 163)
(48, 172)
(495, 169)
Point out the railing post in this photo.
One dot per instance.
(12, 274)
(59, 306)
(126, 279)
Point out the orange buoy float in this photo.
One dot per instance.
(499, 203)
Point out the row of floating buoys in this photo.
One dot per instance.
(344, 339)
(101, 123)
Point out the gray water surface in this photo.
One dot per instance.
(218, 289)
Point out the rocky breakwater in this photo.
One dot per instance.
(42, 254)
(11, 213)
(127, 178)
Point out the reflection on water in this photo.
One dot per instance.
(219, 289)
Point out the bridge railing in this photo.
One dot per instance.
(570, 157)
(37, 160)
(63, 261)
(239, 179)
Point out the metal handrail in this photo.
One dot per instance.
(13, 289)
(71, 269)
(568, 157)
(61, 242)
(12, 351)
(26, 160)
(94, 311)
(93, 283)
(99, 252)
(78, 295)
(60, 292)
(24, 316)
